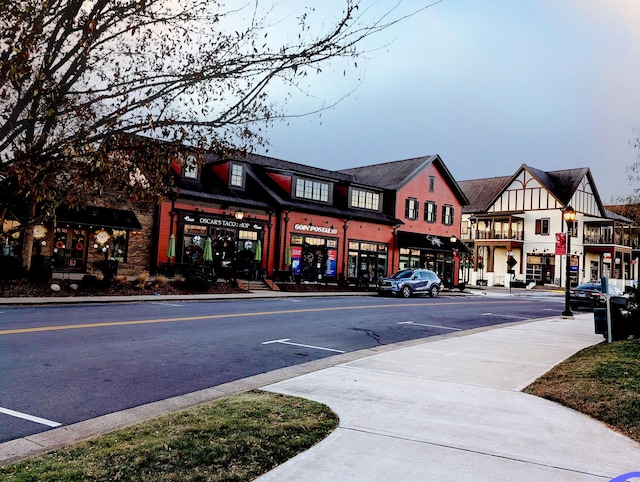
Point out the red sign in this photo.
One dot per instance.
(561, 244)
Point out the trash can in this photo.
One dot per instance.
(600, 321)
(621, 326)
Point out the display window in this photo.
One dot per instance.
(367, 260)
(313, 258)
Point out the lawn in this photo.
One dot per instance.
(602, 381)
(233, 439)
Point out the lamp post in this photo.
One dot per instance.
(569, 215)
(454, 258)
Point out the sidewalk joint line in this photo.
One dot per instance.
(462, 449)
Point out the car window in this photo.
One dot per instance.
(403, 274)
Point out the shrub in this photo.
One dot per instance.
(11, 268)
(142, 278)
(197, 281)
(109, 269)
(121, 279)
(41, 270)
(161, 280)
(89, 281)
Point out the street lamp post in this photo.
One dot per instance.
(569, 215)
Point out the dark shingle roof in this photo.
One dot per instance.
(280, 165)
(481, 192)
(389, 175)
(393, 175)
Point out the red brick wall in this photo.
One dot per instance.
(418, 188)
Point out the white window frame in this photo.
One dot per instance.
(430, 215)
(365, 199)
(190, 167)
(312, 190)
(412, 208)
(236, 175)
(448, 215)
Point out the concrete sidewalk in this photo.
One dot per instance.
(452, 410)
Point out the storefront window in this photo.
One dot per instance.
(120, 245)
(10, 242)
(314, 258)
(367, 260)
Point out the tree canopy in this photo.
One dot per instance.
(74, 73)
(77, 74)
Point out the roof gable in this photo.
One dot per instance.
(396, 174)
(543, 190)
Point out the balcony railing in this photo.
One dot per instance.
(496, 234)
(609, 239)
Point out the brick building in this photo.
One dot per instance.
(252, 215)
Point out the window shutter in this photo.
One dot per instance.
(538, 226)
(406, 208)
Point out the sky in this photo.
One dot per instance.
(488, 85)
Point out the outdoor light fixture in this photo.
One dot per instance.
(239, 214)
(453, 239)
(569, 215)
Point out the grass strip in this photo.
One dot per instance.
(602, 381)
(233, 439)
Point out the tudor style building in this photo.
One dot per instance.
(511, 224)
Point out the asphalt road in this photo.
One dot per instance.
(63, 364)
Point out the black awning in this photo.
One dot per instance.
(98, 217)
(430, 241)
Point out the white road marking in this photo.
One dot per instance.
(42, 421)
(507, 316)
(285, 341)
(429, 326)
(164, 304)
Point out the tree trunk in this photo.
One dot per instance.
(27, 237)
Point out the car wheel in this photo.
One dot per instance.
(406, 292)
(433, 291)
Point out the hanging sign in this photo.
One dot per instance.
(561, 244)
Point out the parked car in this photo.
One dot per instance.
(409, 282)
(590, 295)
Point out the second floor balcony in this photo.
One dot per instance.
(516, 235)
(622, 239)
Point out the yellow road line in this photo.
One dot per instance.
(207, 317)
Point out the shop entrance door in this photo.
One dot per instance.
(69, 249)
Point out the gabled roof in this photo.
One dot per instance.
(561, 184)
(396, 174)
(481, 192)
(618, 217)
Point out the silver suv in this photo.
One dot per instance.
(408, 282)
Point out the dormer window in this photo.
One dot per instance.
(190, 167)
(313, 190)
(365, 199)
(236, 175)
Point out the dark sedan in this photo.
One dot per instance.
(590, 295)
